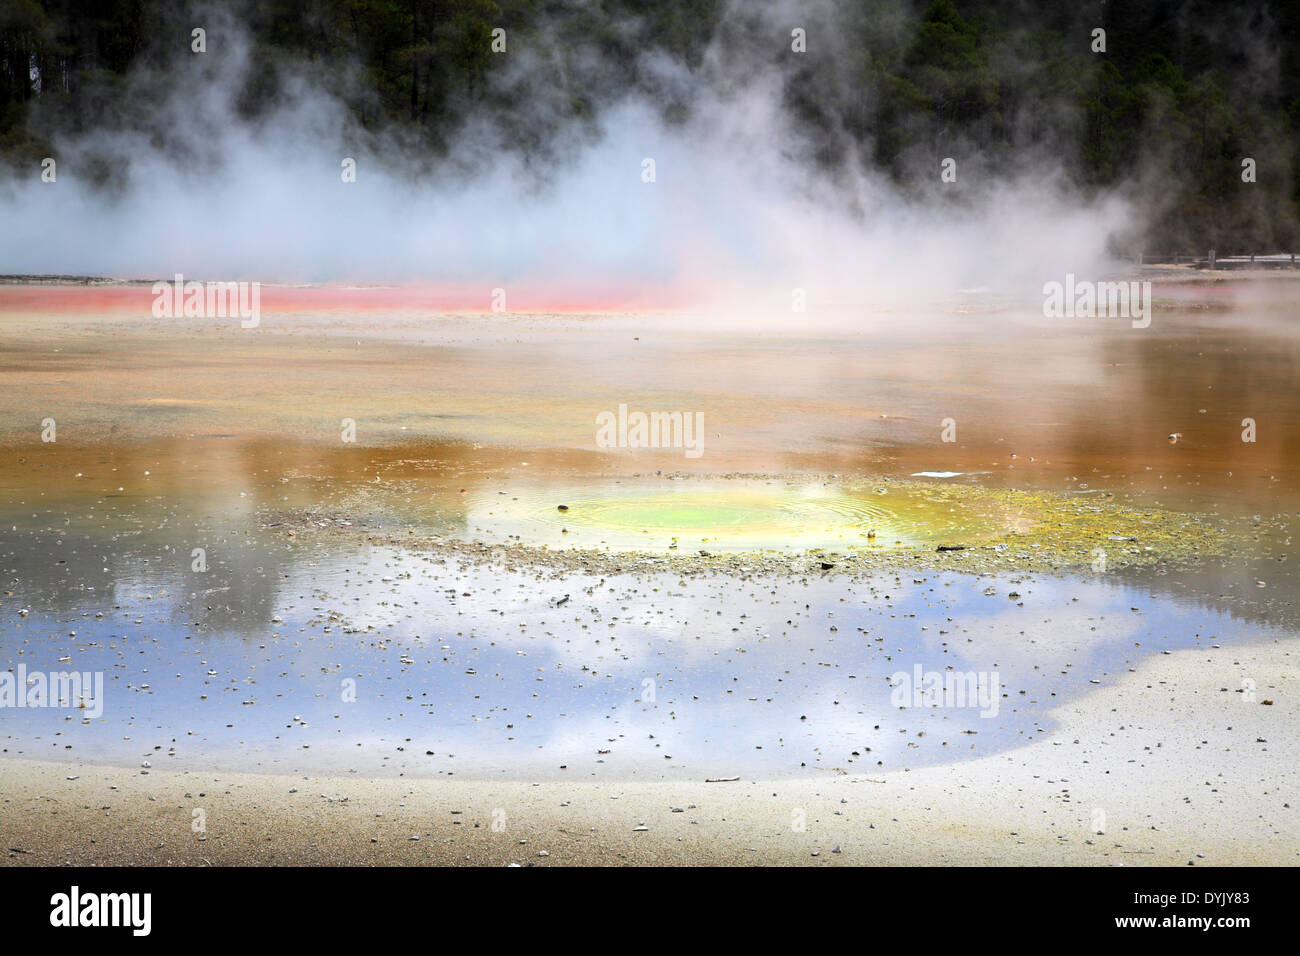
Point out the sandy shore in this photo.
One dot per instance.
(1182, 766)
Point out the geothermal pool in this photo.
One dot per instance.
(472, 586)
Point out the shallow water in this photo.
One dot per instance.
(1042, 403)
(382, 661)
(476, 429)
(733, 515)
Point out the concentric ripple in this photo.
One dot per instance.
(733, 515)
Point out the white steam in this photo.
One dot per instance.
(736, 214)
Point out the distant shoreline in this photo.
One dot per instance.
(1226, 269)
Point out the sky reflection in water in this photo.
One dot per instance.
(485, 669)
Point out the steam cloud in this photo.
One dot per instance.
(738, 213)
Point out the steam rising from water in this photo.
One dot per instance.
(737, 215)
